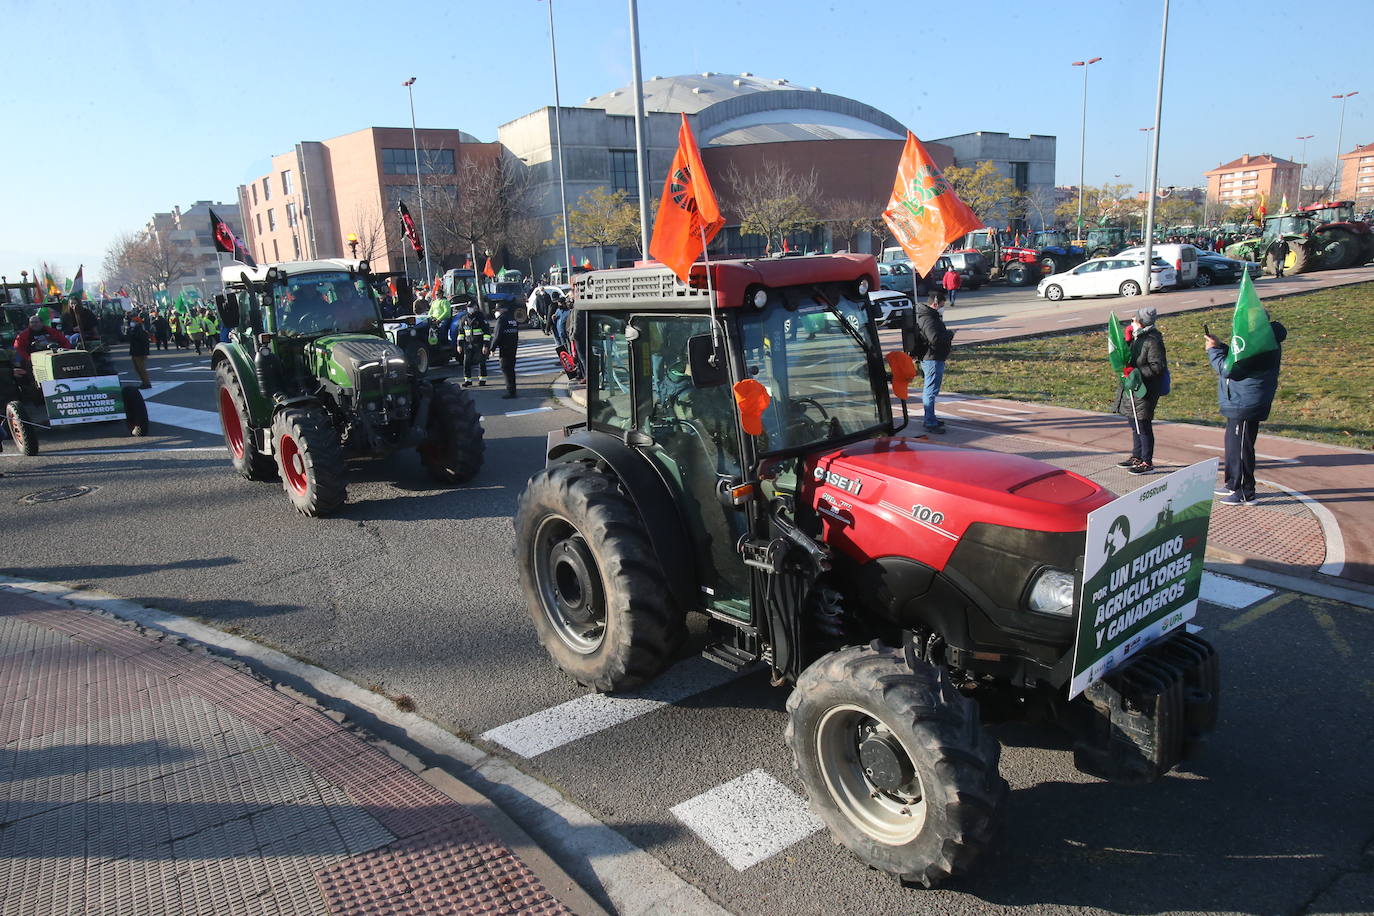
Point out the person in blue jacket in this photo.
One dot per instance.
(1244, 395)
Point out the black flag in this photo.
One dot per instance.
(408, 225)
(226, 241)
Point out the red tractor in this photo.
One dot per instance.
(1340, 240)
(740, 459)
(1016, 264)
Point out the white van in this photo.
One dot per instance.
(1182, 257)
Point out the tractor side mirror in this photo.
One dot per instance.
(228, 308)
(706, 373)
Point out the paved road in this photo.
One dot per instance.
(411, 591)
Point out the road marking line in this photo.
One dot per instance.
(1339, 642)
(995, 416)
(1334, 563)
(1001, 409)
(1261, 610)
(523, 413)
(1232, 593)
(748, 819)
(201, 421)
(180, 365)
(1218, 448)
(556, 726)
(126, 451)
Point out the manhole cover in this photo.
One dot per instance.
(57, 493)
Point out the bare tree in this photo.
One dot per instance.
(524, 240)
(370, 228)
(1040, 200)
(160, 260)
(773, 201)
(850, 217)
(474, 211)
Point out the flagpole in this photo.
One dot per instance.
(711, 294)
(476, 275)
(419, 193)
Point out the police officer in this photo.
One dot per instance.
(474, 343)
(507, 339)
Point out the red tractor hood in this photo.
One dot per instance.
(903, 497)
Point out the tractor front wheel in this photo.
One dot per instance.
(455, 448)
(896, 762)
(591, 580)
(1022, 274)
(135, 411)
(24, 436)
(247, 461)
(310, 460)
(1336, 248)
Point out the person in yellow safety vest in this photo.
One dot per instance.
(198, 327)
(440, 314)
(178, 334)
(211, 319)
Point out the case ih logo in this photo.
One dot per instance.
(848, 484)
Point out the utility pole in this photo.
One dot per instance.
(1154, 156)
(1302, 173)
(641, 154)
(1340, 138)
(1083, 137)
(558, 137)
(419, 192)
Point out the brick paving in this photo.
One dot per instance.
(139, 776)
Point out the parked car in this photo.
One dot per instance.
(1183, 258)
(1215, 268)
(972, 266)
(897, 276)
(1119, 276)
(891, 304)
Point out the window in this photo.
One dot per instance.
(255, 193)
(1020, 173)
(271, 218)
(287, 185)
(291, 214)
(402, 162)
(608, 402)
(624, 175)
(267, 188)
(258, 217)
(296, 245)
(276, 255)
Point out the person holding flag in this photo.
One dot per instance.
(1247, 377)
(1139, 359)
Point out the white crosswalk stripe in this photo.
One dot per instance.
(537, 359)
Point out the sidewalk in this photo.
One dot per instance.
(139, 776)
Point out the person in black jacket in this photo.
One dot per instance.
(933, 344)
(138, 350)
(1244, 396)
(1139, 391)
(506, 339)
(474, 344)
(162, 330)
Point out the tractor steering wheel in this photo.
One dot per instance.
(800, 425)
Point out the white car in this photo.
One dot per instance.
(1105, 277)
(892, 304)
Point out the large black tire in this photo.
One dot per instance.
(937, 804)
(248, 462)
(456, 448)
(1051, 264)
(591, 580)
(24, 435)
(1336, 248)
(310, 460)
(418, 354)
(1299, 260)
(1023, 274)
(135, 411)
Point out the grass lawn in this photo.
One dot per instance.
(1324, 393)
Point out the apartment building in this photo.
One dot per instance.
(1247, 180)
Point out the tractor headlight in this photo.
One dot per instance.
(1052, 593)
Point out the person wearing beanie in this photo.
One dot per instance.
(1140, 388)
(1245, 395)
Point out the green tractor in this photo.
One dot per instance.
(1104, 241)
(1321, 236)
(307, 381)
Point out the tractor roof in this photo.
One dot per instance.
(732, 279)
(234, 273)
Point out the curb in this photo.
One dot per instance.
(578, 856)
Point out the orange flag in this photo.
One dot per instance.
(487, 271)
(687, 210)
(925, 214)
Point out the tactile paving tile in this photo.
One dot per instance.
(455, 869)
(19, 637)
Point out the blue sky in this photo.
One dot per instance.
(132, 107)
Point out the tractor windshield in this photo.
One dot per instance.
(817, 371)
(325, 303)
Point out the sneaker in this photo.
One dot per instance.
(1223, 491)
(1129, 462)
(467, 383)
(482, 383)
(1142, 467)
(1236, 498)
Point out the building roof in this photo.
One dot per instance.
(1363, 150)
(729, 109)
(1248, 161)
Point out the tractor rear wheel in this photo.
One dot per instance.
(1336, 248)
(591, 580)
(24, 436)
(1022, 274)
(1299, 260)
(248, 462)
(1051, 264)
(135, 411)
(896, 762)
(310, 460)
(455, 448)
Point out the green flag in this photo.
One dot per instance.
(1251, 334)
(1117, 350)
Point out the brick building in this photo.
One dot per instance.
(323, 191)
(1246, 180)
(188, 233)
(1357, 176)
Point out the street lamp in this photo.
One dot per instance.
(1083, 136)
(352, 245)
(1340, 136)
(1147, 131)
(1302, 172)
(415, 140)
(558, 139)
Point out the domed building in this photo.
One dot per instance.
(747, 127)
